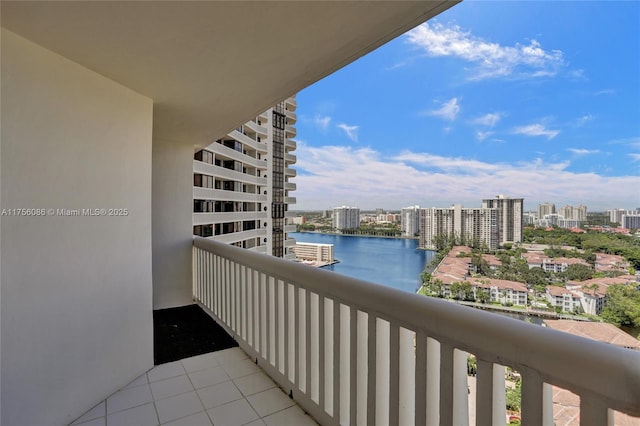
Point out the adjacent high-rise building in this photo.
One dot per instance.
(545, 209)
(346, 217)
(410, 221)
(466, 225)
(510, 211)
(242, 186)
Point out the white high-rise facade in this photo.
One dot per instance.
(410, 221)
(475, 226)
(574, 213)
(510, 211)
(242, 187)
(346, 217)
(630, 221)
(545, 209)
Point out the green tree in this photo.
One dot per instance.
(514, 397)
(536, 277)
(623, 306)
(483, 295)
(579, 272)
(480, 264)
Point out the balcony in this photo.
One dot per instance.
(290, 186)
(290, 158)
(290, 172)
(290, 145)
(291, 116)
(308, 329)
(290, 131)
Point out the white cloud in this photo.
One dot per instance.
(322, 122)
(583, 151)
(487, 120)
(351, 131)
(366, 178)
(491, 59)
(581, 121)
(480, 135)
(536, 130)
(631, 142)
(634, 157)
(448, 111)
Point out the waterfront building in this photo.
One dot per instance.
(510, 211)
(410, 221)
(563, 298)
(545, 209)
(472, 225)
(630, 221)
(550, 264)
(315, 252)
(346, 217)
(454, 269)
(242, 188)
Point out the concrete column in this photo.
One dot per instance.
(172, 228)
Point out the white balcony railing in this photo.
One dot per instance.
(352, 352)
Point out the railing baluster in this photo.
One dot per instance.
(307, 342)
(321, 339)
(298, 338)
(262, 319)
(371, 368)
(407, 383)
(484, 393)
(421, 379)
(336, 360)
(286, 371)
(593, 412)
(276, 324)
(531, 398)
(446, 384)
(394, 374)
(353, 365)
(460, 388)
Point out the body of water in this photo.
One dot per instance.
(393, 262)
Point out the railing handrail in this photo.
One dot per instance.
(582, 365)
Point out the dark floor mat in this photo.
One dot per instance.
(184, 332)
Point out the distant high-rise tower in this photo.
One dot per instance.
(510, 211)
(574, 213)
(473, 226)
(242, 184)
(410, 221)
(346, 217)
(545, 209)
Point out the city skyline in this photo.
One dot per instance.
(461, 108)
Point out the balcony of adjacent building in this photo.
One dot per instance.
(290, 159)
(290, 145)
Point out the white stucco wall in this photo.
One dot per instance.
(172, 223)
(76, 297)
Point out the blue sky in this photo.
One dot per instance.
(539, 100)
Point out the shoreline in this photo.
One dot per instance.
(353, 235)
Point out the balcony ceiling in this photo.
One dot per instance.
(209, 65)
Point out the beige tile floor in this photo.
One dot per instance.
(222, 388)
